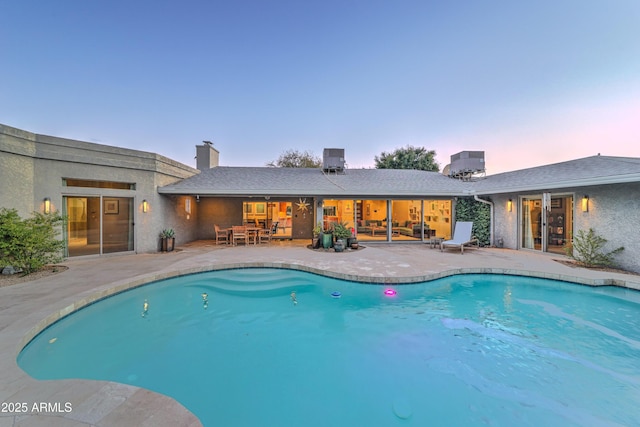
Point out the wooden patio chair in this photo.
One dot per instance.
(264, 235)
(221, 235)
(239, 232)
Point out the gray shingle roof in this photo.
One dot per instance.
(594, 170)
(313, 182)
(268, 181)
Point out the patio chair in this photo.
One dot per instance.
(221, 235)
(264, 235)
(239, 232)
(461, 237)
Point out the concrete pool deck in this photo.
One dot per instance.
(27, 308)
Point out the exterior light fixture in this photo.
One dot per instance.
(47, 205)
(197, 198)
(585, 203)
(510, 205)
(145, 206)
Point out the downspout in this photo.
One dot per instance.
(475, 197)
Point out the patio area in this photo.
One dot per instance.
(29, 307)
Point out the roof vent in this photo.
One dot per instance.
(466, 164)
(333, 160)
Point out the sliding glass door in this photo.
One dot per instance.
(98, 225)
(531, 224)
(546, 222)
(559, 223)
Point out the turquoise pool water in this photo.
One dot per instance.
(472, 350)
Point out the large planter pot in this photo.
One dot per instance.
(352, 242)
(168, 243)
(339, 245)
(327, 240)
(315, 243)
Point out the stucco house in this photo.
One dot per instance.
(118, 200)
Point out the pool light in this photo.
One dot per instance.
(390, 292)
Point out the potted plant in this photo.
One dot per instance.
(168, 239)
(352, 242)
(317, 231)
(327, 238)
(342, 233)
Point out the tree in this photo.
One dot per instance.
(296, 159)
(29, 244)
(409, 157)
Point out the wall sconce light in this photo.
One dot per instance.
(197, 198)
(510, 205)
(187, 205)
(585, 203)
(145, 206)
(47, 205)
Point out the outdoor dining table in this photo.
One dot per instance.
(252, 232)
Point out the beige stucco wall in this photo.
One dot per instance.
(33, 166)
(17, 163)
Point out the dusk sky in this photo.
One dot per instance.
(529, 83)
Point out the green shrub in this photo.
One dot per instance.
(587, 249)
(29, 244)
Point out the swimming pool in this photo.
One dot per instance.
(238, 349)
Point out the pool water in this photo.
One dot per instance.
(468, 350)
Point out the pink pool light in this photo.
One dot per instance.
(390, 292)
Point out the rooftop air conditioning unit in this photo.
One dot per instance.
(333, 160)
(467, 163)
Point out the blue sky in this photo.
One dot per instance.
(527, 82)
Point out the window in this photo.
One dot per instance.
(72, 182)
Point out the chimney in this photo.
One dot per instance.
(207, 157)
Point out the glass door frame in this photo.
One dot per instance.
(525, 212)
(546, 205)
(99, 216)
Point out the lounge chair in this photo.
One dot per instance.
(221, 235)
(461, 237)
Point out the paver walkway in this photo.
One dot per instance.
(27, 308)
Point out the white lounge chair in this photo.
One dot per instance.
(461, 237)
